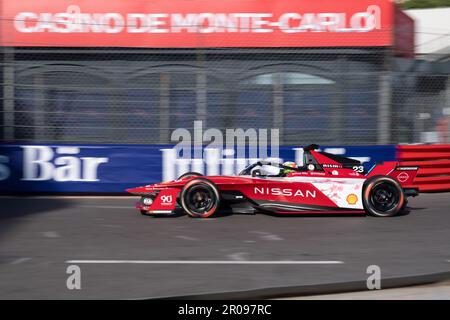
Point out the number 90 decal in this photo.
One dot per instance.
(358, 169)
(166, 199)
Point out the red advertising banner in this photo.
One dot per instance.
(197, 23)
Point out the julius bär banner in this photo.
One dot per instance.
(197, 23)
(113, 168)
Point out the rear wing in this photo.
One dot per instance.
(405, 175)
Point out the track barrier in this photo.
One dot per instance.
(93, 169)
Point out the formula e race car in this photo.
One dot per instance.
(324, 184)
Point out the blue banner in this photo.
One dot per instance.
(47, 168)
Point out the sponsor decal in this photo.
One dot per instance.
(147, 201)
(287, 192)
(331, 165)
(407, 168)
(402, 177)
(352, 198)
(315, 173)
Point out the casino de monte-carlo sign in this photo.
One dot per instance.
(197, 23)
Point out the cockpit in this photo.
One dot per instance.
(310, 163)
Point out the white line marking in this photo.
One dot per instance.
(200, 262)
(20, 260)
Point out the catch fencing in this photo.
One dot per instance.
(327, 96)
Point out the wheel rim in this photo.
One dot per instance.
(384, 197)
(200, 199)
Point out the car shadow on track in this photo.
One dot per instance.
(180, 213)
(223, 214)
(13, 209)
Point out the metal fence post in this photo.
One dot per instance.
(338, 110)
(201, 90)
(39, 118)
(278, 107)
(8, 93)
(164, 105)
(384, 109)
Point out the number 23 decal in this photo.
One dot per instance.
(359, 169)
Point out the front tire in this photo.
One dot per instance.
(383, 196)
(188, 175)
(200, 198)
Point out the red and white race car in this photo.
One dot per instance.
(325, 184)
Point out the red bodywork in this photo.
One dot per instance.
(334, 188)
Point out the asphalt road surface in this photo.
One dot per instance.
(122, 254)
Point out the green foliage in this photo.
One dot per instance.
(422, 4)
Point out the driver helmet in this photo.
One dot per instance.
(290, 164)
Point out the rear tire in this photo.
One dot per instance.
(200, 198)
(383, 196)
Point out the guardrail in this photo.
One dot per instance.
(433, 162)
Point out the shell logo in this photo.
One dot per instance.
(352, 198)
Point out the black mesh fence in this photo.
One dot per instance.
(329, 96)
